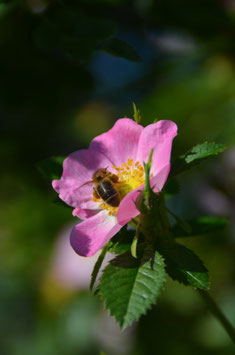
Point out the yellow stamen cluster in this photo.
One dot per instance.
(130, 176)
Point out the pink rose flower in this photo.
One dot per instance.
(121, 151)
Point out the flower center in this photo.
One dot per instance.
(129, 176)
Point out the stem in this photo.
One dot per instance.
(218, 314)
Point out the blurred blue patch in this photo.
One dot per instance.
(114, 74)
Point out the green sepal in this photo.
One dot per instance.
(152, 206)
(136, 114)
(144, 203)
(134, 245)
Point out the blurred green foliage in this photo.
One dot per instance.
(59, 88)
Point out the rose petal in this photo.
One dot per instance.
(83, 213)
(127, 208)
(120, 142)
(93, 233)
(78, 169)
(158, 181)
(158, 136)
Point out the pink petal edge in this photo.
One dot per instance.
(120, 142)
(93, 233)
(127, 208)
(158, 136)
(78, 169)
(84, 213)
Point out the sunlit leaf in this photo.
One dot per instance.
(194, 156)
(130, 286)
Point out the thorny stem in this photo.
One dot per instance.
(212, 306)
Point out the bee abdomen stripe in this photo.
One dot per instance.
(105, 188)
(108, 193)
(113, 200)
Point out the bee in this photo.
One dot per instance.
(104, 187)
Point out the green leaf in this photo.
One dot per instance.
(130, 286)
(51, 168)
(200, 226)
(202, 151)
(183, 265)
(97, 266)
(194, 156)
(119, 48)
